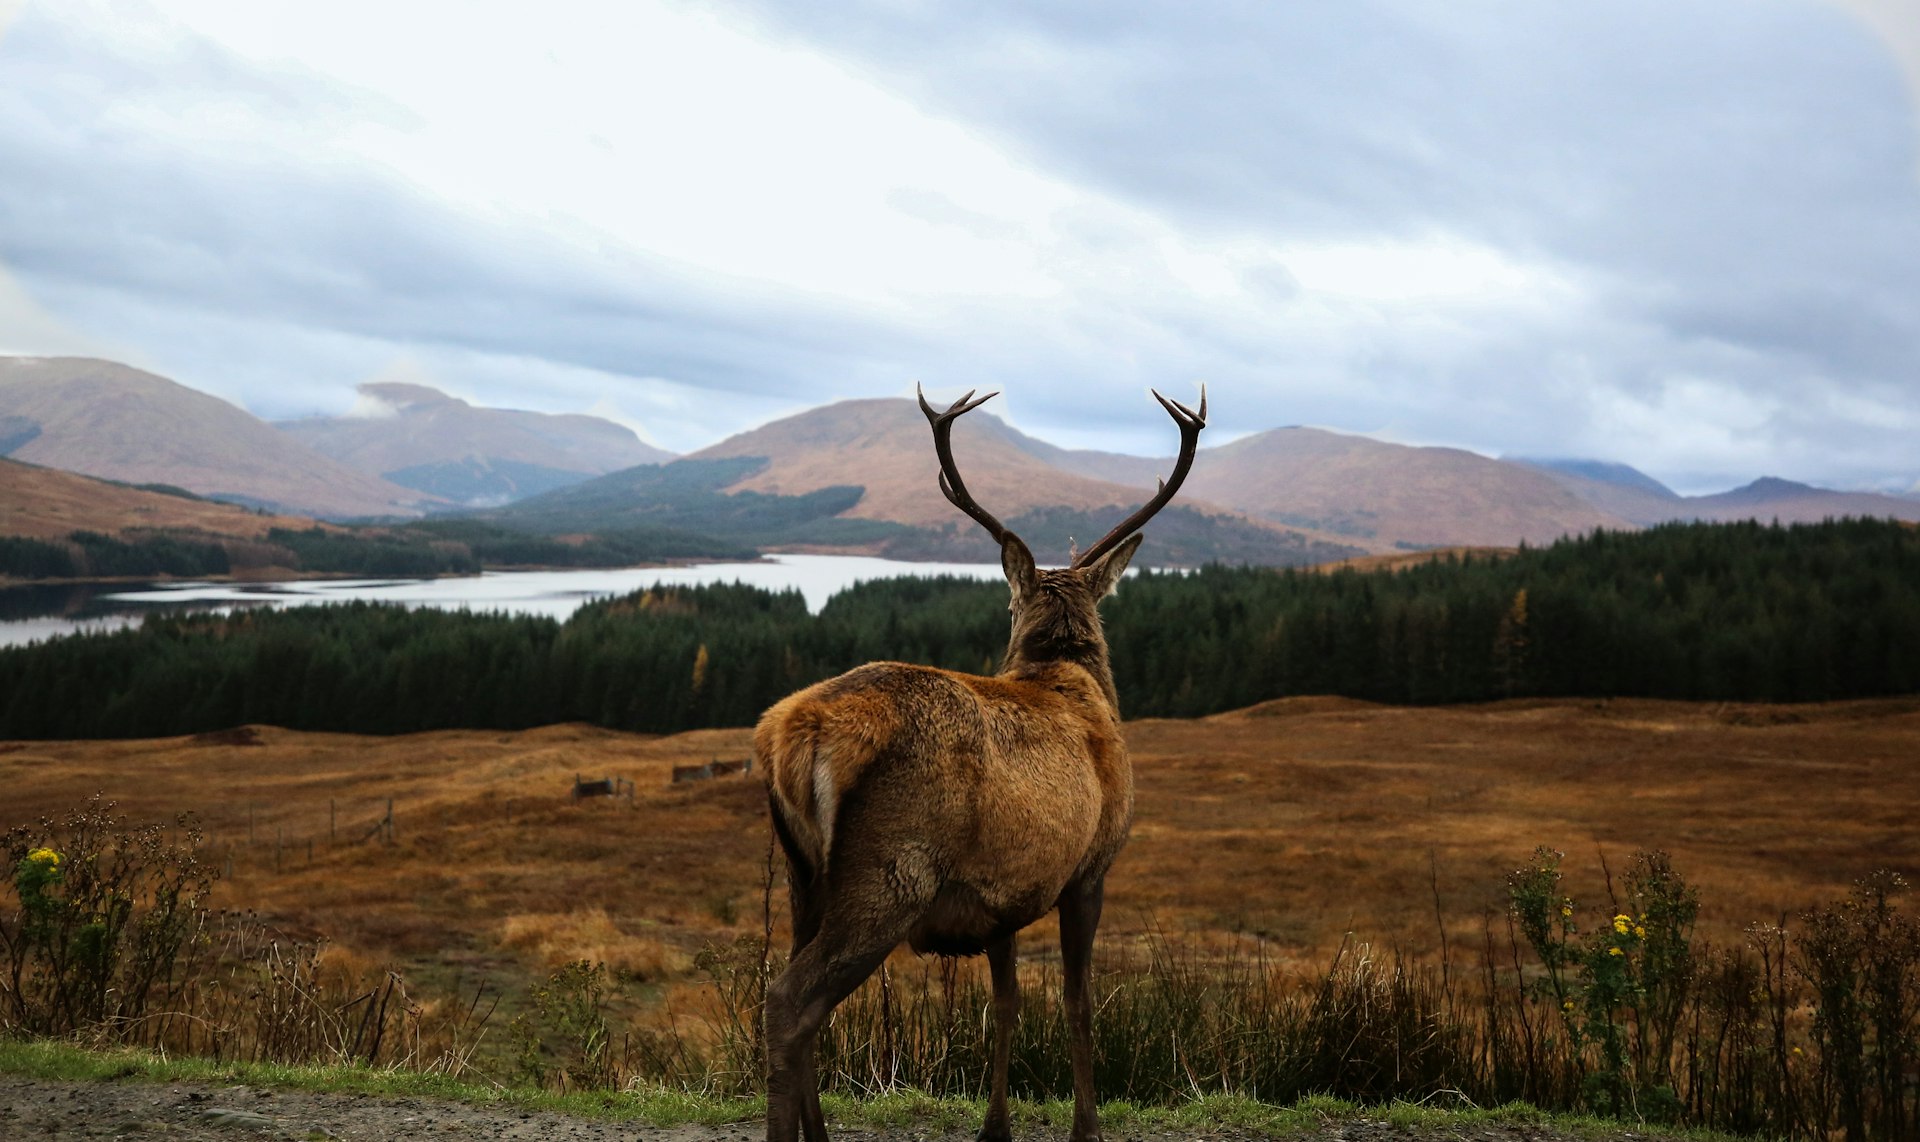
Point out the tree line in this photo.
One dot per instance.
(1692, 611)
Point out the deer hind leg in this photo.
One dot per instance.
(1006, 1010)
(863, 918)
(1079, 920)
(804, 901)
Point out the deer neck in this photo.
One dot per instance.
(1033, 663)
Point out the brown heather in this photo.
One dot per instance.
(1262, 837)
(1293, 822)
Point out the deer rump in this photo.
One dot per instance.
(970, 801)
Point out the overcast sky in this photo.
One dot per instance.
(1685, 236)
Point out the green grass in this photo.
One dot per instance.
(59, 1061)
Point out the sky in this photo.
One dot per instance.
(1683, 236)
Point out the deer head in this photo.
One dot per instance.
(1055, 615)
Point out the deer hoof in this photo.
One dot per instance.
(994, 1132)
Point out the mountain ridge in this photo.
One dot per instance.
(422, 438)
(104, 419)
(872, 458)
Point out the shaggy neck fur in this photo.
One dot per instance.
(1060, 624)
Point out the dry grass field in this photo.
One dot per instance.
(1298, 820)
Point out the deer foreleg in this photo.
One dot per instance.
(1079, 920)
(1006, 1012)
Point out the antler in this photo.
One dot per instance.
(1190, 423)
(951, 485)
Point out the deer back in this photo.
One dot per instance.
(1009, 784)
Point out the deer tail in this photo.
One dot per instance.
(789, 748)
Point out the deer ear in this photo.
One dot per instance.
(1017, 562)
(1103, 573)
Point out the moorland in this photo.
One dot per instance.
(1294, 822)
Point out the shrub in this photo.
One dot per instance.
(112, 919)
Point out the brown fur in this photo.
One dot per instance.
(1038, 758)
(950, 811)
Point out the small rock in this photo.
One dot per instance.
(226, 1116)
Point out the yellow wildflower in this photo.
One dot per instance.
(1615, 952)
(1639, 932)
(45, 856)
(1566, 910)
(1622, 923)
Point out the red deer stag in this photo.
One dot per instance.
(952, 810)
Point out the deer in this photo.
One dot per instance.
(951, 810)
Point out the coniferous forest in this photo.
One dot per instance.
(1726, 611)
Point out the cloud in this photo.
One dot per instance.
(1616, 231)
(28, 329)
(1680, 177)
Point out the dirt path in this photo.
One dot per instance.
(32, 1110)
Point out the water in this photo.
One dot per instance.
(32, 613)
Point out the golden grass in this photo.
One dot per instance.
(46, 503)
(1294, 822)
(557, 938)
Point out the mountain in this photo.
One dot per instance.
(109, 420)
(46, 503)
(1602, 472)
(421, 438)
(863, 475)
(1618, 489)
(687, 498)
(1112, 467)
(1769, 499)
(1390, 494)
(1644, 501)
(885, 447)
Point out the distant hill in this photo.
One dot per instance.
(692, 496)
(884, 447)
(687, 496)
(853, 476)
(120, 423)
(1769, 499)
(421, 438)
(1644, 501)
(46, 503)
(1618, 489)
(1390, 494)
(1603, 472)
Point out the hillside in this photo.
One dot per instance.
(109, 420)
(46, 503)
(1769, 499)
(692, 496)
(687, 496)
(1390, 493)
(884, 446)
(1616, 489)
(421, 438)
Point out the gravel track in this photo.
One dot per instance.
(32, 1110)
